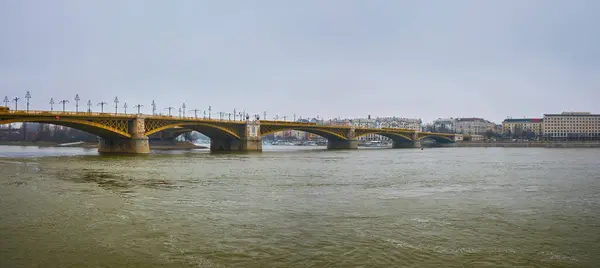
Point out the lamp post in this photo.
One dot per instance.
(51, 104)
(116, 105)
(179, 111)
(77, 99)
(138, 107)
(204, 112)
(195, 112)
(28, 96)
(16, 100)
(183, 108)
(169, 108)
(63, 103)
(265, 115)
(209, 111)
(89, 104)
(125, 107)
(229, 114)
(233, 114)
(102, 106)
(6, 101)
(153, 107)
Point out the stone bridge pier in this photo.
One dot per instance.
(250, 140)
(137, 144)
(351, 142)
(415, 143)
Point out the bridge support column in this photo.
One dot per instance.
(137, 144)
(250, 141)
(334, 144)
(338, 144)
(415, 143)
(406, 144)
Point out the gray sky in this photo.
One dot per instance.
(423, 59)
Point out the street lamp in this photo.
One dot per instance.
(63, 103)
(51, 104)
(138, 107)
(116, 105)
(77, 99)
(125, 107)
(6, 101)
(209, 111)
(179, 111)
(183, 108)
(234, 114)
(229, 114)
(28, 96)
(16, 100)
(265, 115)
(169, 108)
(195, 112)
(153, 107)
(102, 106)
(89, 104)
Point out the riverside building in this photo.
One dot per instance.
(582, 126)
(534, 125)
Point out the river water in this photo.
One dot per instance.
(299, 207)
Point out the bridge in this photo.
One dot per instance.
(129, 133)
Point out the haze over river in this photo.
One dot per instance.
(301, 207)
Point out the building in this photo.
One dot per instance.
(571, 126)
(521, 126)
(385, 122)
(473, 126)
(445, 125)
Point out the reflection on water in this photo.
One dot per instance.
(300, 207)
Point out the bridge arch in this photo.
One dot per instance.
(396, 137)
(100, 128)
(327, 134)
(169, 134)
(210, 130)
(437, 138)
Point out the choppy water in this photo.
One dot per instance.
(452, 207)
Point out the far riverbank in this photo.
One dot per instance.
(533, 144)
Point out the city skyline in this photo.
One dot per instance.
(339, 59)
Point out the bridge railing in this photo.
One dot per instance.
(122, 115)
(65, 113)
(192, 118)
(287, 122)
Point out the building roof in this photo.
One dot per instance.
(572, 114)
(473, 119)
(523, 120)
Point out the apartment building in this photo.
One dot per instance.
(473, 126)
(571, 126)
(517, 125)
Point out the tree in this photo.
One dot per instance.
(518, 133)
(528, 134)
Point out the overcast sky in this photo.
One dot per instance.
(345, 58)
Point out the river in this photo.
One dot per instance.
(301, 207)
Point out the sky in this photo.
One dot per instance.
(332, 58)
